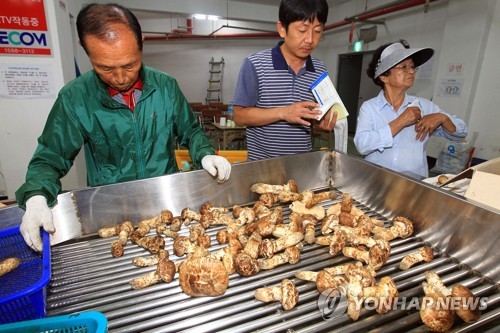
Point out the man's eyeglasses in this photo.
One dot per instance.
(407, 68)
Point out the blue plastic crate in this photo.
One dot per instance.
(88, 322)
(22, 291)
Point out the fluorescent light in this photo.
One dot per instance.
(200, 16)
(212, 17)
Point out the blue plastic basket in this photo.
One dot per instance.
(22, 291)
(88, 322)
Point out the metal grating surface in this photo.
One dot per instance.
(85, 277)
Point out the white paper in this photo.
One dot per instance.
(20, 81)
(327, 97)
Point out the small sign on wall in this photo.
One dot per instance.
(26, 81)
(455, 69)
(451, 87)
(23, 28)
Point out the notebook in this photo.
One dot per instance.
(327, 97)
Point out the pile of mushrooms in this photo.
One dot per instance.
(259, 238)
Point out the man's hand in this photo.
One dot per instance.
(300, 113)
(38, 214)
(217, 165)
(325, 123)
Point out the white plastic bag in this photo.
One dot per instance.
(455, 156)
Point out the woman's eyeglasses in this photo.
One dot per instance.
(407, 68)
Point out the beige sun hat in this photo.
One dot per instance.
(395, 53)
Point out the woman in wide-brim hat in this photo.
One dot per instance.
(394, 127)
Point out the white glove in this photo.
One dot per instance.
(217, 165)
(38, 214)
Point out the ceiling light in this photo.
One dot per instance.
(200, 16)
(212, 17)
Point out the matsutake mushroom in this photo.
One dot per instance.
(358, 278)
(195, 231)
(328, 223)
(375, 257)
(152, 244)
(203, 276)
(346, 203)
(189, 215)
(267, 224)
(309, 222)
(401, 227)
(207, 208)
(228, 255)
(386, 293)
(424, 253)
(435, 310)
(435, 314)
(269, 247)
(466, 300)
(183, 245)
(143, 227)
(261, 188)
(261, 210)
(164, 229)
(246, 265)
(324, 280)
(8, 265)
(434, 286)
(252, 246)
(243, 215)
(311, 199)
(286, 293)
(290, 255)
(268, 199)
(117, 247)
(299, 207)
(295, 225)
(165, 271)
(347, 219)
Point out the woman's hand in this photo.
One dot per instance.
(429, 123)
(411, 115)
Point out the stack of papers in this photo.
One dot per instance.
(327, 97)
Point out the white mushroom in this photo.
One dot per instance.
(299, 207)
(424, 253)
(286, 293)
(291, 255)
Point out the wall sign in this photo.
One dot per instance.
(23, 28)
(20, 81)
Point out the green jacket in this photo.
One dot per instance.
(120, 145)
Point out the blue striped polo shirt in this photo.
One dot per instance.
(266, 81)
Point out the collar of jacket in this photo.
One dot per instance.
(279, 61)
(147, 89)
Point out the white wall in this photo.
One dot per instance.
(483, 80)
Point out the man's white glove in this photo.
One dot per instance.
(217, 165)
(38, 214)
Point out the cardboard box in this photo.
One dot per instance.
(484, 186)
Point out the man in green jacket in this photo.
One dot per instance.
(127, 116)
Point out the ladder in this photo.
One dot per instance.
(214, 91)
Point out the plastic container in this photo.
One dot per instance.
(88, 322)
(230, 111)
(22, 291)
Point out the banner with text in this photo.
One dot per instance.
(23, 28)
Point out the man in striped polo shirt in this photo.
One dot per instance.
(273, 97)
